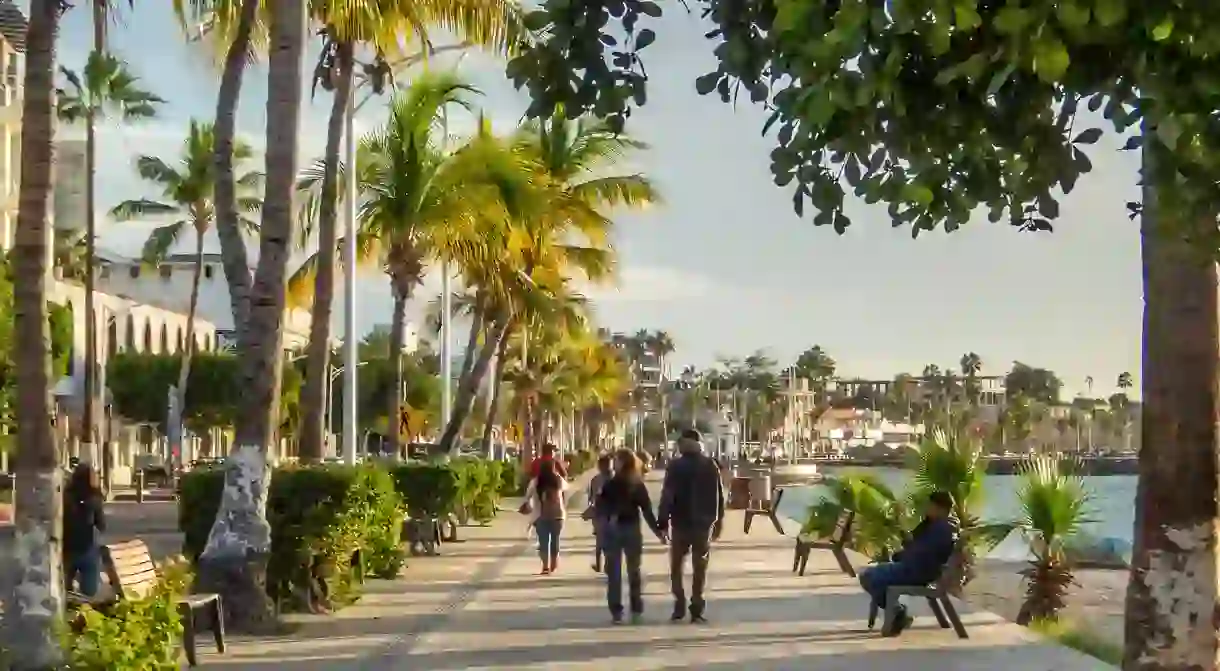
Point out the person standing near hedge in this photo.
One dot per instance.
(84, 521)
(548, 496)
(623, 502)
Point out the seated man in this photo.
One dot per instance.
(920, 561)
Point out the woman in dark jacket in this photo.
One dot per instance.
(623, 504)
(84, 521)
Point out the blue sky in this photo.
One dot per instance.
(724, 265)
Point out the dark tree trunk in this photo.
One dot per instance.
(33, 582)
(317, 364)
(1171, 610)
(397, 329)
(228, 231)
(234, 562)
(493, 406)
(468, 390)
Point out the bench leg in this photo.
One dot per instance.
(188, 632)
(218, 624)
(951, 612)
(779, 526)
(796, 557)
(872, 614)
(844, 562)
(940, 616)
(805, 550)
(891, 613)
(749, 521)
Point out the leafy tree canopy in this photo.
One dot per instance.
(935, 108)
(60, 328)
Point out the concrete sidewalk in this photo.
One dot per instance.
(483, 606)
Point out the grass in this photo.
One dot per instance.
(1082, 639)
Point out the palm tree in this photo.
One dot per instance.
(971, 364)
(1054, 507)
(34, 598)
(1124, 381)
(189, 199)
(105, 86)
(71, 254)
(234, 560)
(880, 519)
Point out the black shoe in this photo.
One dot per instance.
(697, 619)
(616, 618)
(901, 622)
(678, 615)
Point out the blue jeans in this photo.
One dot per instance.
(878, 578)
(85, 569)
(548, 540)
(623, 544)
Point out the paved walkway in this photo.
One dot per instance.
(483, 606)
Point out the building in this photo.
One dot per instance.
(71, 179)
(12, 74)
(169, 285)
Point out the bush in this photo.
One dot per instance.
(141, 634)
(581, 461)
(320, 516)
(478, 489)
(428, 490)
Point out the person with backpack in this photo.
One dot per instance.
(546, 495)
(691, 511)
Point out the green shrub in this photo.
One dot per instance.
(143, 634)
(320, 516)
(512, 480)
(427, 490)
(1080, 638)
(581, 461)
(478, 488)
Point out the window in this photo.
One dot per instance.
(104, 272)
(134, 272)
(167, 271)
(209, 271)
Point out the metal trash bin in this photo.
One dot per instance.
(760, 492)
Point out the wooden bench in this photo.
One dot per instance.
(835, 543)
(937, 595)
(132, 575)
(770, 510)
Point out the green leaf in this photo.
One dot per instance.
(1011, 20)
(1088, 136)
(1051, 59)
(1110, 13)
(705, 84)
(1163, 30)
(1000, 78)
(649, 8)
(645, 38)
(1133, 142)
(966, 17)
(1072, 15)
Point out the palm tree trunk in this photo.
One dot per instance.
(317, 362)
(493, 406)
(33, 584)
(1172, 586)
(232, 245)
(184, 368)
(234, 562)
(468, 390)
(477, 319)
(397, 328)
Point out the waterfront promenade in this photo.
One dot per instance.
(483, 606)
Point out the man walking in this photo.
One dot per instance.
(692, 512)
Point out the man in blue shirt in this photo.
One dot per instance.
(920, 561)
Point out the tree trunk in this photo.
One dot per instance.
(317, 363)
(472, 342)
(493, 405)
(1171, 609)
(234, 562)
(33, 580)
(468, 390)
(228, 231)
(397, 329)
(184, 368)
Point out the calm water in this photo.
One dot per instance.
(1112, 508)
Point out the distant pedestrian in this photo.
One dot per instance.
(604, 471)
(84, 522)
(623, 504)
(548, 454)
(692, 511)
(547, 495)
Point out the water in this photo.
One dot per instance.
(1112, 508)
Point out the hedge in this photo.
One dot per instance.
(320, 516)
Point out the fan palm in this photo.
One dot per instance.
(188, 191)
(103, 87)
(880, 517)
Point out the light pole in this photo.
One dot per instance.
(335, 371)
(446, 344)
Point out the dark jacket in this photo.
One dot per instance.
(84, 520)
(924, 556)
(625, 501)
(693, 494)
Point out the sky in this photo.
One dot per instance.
(724, 265)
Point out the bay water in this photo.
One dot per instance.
(1111, 506)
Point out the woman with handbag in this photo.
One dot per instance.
(546, 499)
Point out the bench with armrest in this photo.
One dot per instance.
(768, 509)
(836, 543)
(132, 574)
(936, 593)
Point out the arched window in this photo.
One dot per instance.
(130, 333)
(148, 341)
(112, 338)
(180, 339)
(164, 339)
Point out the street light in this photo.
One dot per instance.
(330, 391)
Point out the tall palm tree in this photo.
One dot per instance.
(189, 199)
(232, 23)
(234, 560)
(971, 364)
(103, 87)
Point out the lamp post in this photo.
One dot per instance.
(335, 371)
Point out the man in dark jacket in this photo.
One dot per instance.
(692, 512)
(921, 559)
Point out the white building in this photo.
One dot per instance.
(169, 285)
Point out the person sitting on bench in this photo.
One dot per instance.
(920, 561)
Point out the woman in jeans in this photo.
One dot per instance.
(623, 504)
(84, 520)
(548, 495)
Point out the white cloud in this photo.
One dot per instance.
(654, 284)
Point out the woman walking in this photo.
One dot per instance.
(547, 494)
(624, 503)
(84, 521)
